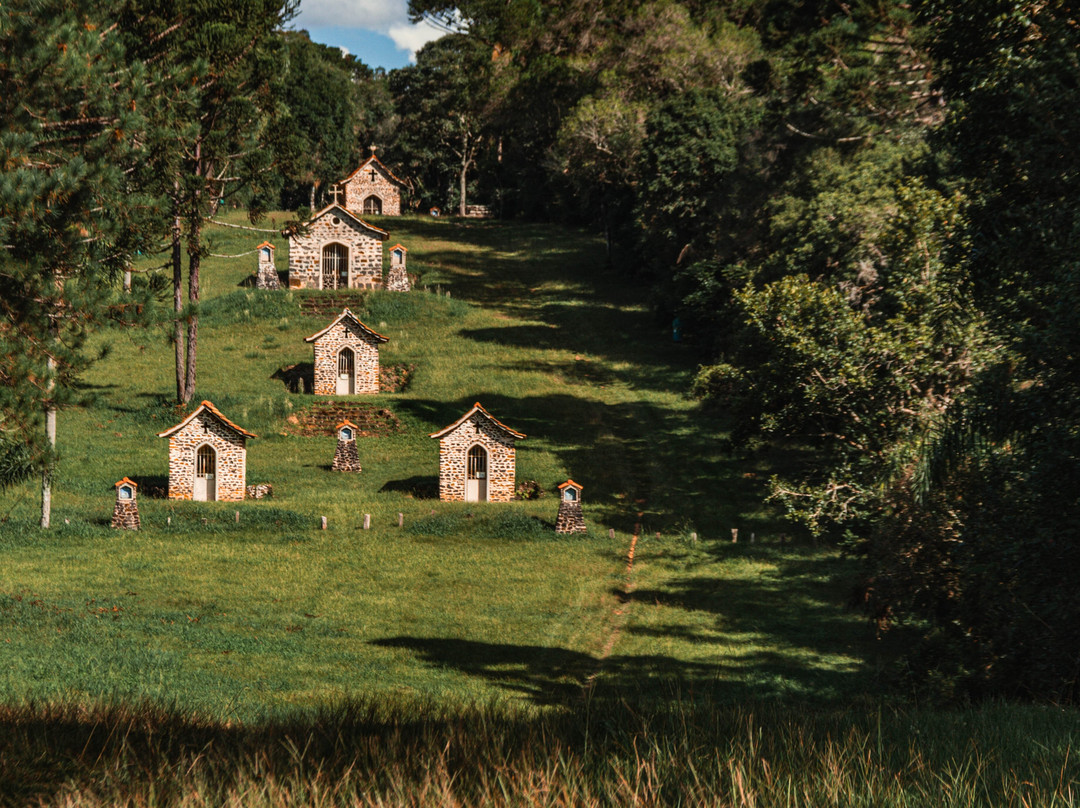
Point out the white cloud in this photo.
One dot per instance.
(373, 15)
(413, 37)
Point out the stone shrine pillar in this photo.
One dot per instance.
(346, 458)
(266, 276)
(126, 512)
(570, 518)
(397, 279)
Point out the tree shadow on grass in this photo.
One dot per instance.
(418, 486)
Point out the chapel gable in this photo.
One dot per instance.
(372, 189)
(338, 250)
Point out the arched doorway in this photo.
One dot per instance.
(205, 474)
(373, 206)
(346, 372)
(335, 266)
(476, 478)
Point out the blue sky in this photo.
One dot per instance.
(378, 32)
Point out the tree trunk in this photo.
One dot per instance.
(311, 203)
(50, 444)
(194, 258)
(178, 306)
(464, 173)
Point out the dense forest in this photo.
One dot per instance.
(861, 215)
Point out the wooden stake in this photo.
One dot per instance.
(324, 523)
(400, 519)
(693, 537)
(238, 517)
(734, 535)
(367, 521)
(611, 533)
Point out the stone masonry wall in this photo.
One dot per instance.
(346, 457)
(231, 458)
(365, 254)
(397, 280)
(266, 276)
(326, 352)
(570, 518)
(453, 459)
(126, 515)
(361, 186)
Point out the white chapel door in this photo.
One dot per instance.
(476, 480)
(346, 372)
(205, 475)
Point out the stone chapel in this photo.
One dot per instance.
(207, 457)
(339, 251)
(371, 190)
(477, 458)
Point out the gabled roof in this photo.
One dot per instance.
(207, 406)
(352, 318)
(571, 484)
(476, 408)
(125, 481)
(378, 162)
(346, 422)
(266, 244)
(383, 235)
(399, 247)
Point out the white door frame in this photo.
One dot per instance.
(476, 488)
(350, 385)
(208, 490)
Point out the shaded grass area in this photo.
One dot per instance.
(608, 753)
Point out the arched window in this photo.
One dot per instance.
(335, 266)
(373, 206)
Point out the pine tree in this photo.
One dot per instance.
(70, 124)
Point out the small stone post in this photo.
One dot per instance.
(266, 276)
(397, 279)
(126, 513)
(570, 518)
(346, 458)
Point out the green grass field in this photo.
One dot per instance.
(472, 619)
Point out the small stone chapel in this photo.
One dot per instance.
(207, 457)
(477, 458)
(339, 251)
(346, 357)
(372, 189)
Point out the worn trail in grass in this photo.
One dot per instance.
(465, 603)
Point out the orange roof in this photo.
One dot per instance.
(351, 215)
(127, 482)
(206, 405)
(356, 320)
(379, 163)
(476, 408)
(346, 422)
(266, 244)
(399, 247)
(571, 484)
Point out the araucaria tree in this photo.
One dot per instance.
(213, 127)
(70, 126)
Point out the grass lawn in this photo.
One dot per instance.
(466, 603)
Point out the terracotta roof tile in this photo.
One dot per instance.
(477, 408)
(206, 405)
(346, 313)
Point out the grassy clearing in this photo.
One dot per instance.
(266, 661)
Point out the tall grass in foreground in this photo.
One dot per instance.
(607, 753)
